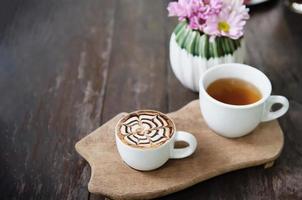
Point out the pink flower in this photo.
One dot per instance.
(181, 9)
(212, 17)
(190, 9)
(196, 23)
(238, 7)
(229, 22)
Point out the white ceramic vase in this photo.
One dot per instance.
(190, 56)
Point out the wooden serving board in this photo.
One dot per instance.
(215, 155)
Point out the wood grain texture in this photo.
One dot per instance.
(67, 66)
(137, 77)
(53, 71)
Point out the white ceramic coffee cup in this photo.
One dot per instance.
(146, 159)
(238, 120)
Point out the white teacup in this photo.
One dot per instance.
(146, 159)
(238, 120)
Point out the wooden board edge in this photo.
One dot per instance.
(156, 194)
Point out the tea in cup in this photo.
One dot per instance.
(235, 98)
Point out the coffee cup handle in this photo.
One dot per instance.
(177, 153)
(269, 115)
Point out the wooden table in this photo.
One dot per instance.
(66, 67)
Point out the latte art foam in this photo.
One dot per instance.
(145, 129)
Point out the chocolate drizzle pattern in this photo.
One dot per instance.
(145, 129)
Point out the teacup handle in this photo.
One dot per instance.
(178, 153)
(269, 115)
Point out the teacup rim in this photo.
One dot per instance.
(261, 101)
(145, 149)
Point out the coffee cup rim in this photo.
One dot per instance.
(262, 100)
(145, 149)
